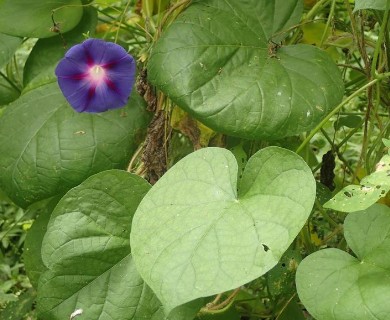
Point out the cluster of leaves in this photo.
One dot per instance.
(199, 199)
(15, 287)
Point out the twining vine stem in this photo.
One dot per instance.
(334, 111)
(216, 307)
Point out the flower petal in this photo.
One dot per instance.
(102, 52)
(69, 68)
(84, 93)
(78, 55)
(105, 99)
(77, 96)
(122, 79)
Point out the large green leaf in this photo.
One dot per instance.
(229, 78)
(372, 188)
(8, 46)
(46, 53)
(50, 148)
(86, 249)
(26, 18)
(334, 285)
(370, 4)
(194, 235)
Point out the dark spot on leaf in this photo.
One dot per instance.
(378, 187)
(383, 192)
(283, 264)
(348, 194)
(266, 248)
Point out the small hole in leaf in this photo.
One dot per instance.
(266, 248)
(348, 194)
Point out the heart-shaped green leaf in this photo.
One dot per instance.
(26, 18)
(334, 285)
(372, 188)
(195, 235)
(50, 148)
(235, 79)
(86, 249)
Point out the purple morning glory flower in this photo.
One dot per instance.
(96, 76)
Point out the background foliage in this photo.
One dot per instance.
(248, 176)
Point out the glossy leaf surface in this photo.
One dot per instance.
(25, 18)
(54, 148)
(236, 80)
